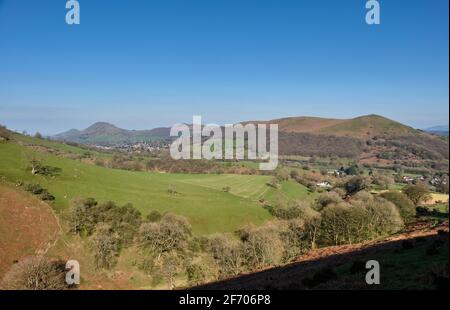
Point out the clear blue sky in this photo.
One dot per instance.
(146, 63)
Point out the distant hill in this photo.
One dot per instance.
(438, 130)
(102, 133)
(373, 139)
(363, 127)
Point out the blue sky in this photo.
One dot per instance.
(146, 63)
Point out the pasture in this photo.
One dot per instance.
(200, 198)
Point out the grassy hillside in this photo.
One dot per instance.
(368, 126)
(200, 198)
(359, 127)
(27, 225)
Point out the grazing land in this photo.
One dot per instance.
(200, 198)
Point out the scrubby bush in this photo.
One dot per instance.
(262, 247)
(356, 184)
(295, 236)
(197, 273)
(106, 246)
(294, 174)
(87, 214)
(417, 193)
(282, 174)
(46, 196)
(330, 198)
(124, 220)
(5, 134)
(170, 267)
(35, 273)
(154, 216)
(226, 189)
(39, 191)
(227, 253)
(82, 218)
(38, 168)
(274, 183)
(172, 190)
(170, 233)
(382, 180)
(35, 189)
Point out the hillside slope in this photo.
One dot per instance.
(405, 263)
(27, 226)
(363, 127)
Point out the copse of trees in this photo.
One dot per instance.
(403, 203)
(111, 228)
(358, 221)
(292, 209)
(87, 213)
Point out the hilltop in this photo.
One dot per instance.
(102, 133)
(361, 127)
(371, 138)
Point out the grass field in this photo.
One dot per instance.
(437, 198)
(198, 197)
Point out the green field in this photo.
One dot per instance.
(198, 197)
